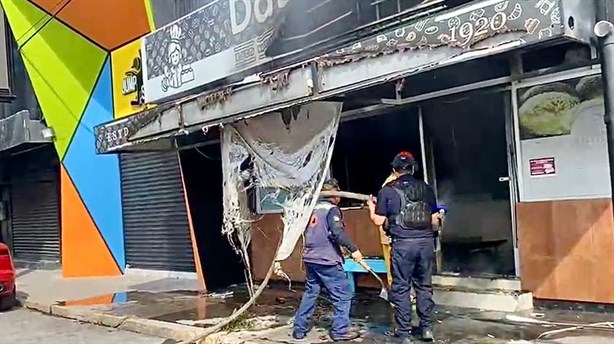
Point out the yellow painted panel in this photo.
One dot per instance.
(127, 79)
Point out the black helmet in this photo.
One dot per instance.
(330, 184)
(404, 161)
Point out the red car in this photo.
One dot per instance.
(7, 279)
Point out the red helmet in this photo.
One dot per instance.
(403, 161)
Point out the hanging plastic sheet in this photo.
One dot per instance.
(289, 151)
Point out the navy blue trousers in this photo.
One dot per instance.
(412, 261)
(336, 282)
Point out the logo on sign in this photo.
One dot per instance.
(175, 72)
(133, 82)
(242, 12)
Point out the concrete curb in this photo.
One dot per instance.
(127, 323)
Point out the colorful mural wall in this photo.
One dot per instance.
(82, 59)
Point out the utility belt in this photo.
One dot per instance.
(427, 226)
(394, 240)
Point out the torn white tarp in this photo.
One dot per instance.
(288, 150)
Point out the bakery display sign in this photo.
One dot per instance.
(562, 133)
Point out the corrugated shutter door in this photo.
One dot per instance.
(157, 234)
(35, 209)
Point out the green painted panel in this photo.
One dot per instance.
(63, 67)
(24, 18)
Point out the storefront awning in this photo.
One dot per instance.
(19, 129)
(479, 29)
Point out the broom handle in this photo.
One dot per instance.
(368, 268)
(345, 194)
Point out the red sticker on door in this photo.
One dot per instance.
(542, 167)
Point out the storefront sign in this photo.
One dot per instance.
(177, 59)
(542, 167)
(114, 135)
(563, 134)
(212, 43)
(128, 90)
(462, 28)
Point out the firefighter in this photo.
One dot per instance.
(323, 259)
(407, 207)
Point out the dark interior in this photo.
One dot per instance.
(365, 148)
(466, 152)
(468, 136)
(202, 169)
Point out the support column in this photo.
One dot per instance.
(604, 29)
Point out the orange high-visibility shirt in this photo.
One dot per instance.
(383, 237)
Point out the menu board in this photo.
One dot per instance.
(563, 140)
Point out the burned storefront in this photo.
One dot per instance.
(500, 102)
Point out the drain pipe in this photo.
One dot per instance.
(604, 30)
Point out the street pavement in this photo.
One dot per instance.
(27, 327)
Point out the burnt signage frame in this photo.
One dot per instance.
(379, 59)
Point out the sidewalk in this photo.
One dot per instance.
(47, 292)
(173, 308)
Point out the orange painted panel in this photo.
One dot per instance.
(90, 301)
(199, 267)
(84, 252)
(50, 6)
(110, 23)
(567, 249)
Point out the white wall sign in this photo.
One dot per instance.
(563, 137)
(542, 167)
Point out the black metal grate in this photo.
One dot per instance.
(157, 234)
(35, 205)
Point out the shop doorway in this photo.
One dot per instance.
(465, 140)
(202, 171)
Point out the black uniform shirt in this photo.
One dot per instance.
(389, 205)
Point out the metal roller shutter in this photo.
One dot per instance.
(157, 234)
(35, 206)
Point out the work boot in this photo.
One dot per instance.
(401, 337)
(392, 333)
(349, 335)
(407, 340)
(427, 334)
(299, 337)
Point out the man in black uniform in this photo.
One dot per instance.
(407, 209)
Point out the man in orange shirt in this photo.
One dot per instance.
(384, 239)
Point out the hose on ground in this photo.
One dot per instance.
(211, 330)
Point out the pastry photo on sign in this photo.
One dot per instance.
(561, 108)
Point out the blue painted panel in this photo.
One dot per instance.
(96, 177)
(377, 265)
